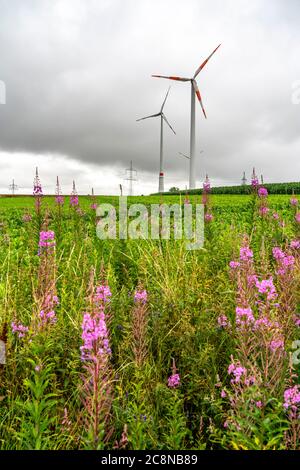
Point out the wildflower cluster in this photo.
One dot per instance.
(97, 378)
(20, 329)
(208, 216)
(59, 199)
(74, 196)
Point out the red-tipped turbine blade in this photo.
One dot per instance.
(179, 79)
(199, 97)
(205, 62)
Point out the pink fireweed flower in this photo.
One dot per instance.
(174, 381)
(275, 216)
(223, 394)
(251, 280)
(250, 380)
(258, 404)
(223, 321)
(20, 329)
(103, 294)
(292, 398)
(141, 296)
(254, 180)
(37, 187)
(208, 217)
(95, 336)
(244, 316)
(74, 200)
(59, 200)
(206, 185)
(294, 201)
(245, 253)
(47, 318)
(262, 192)
(296, 319)
(264, 323)
(297, 217)
(285, 262)
(278, 253)
(295, 244)
(263, 210)
(74, 196)
(94, 206)
(234, 264)
(276, 344)
(267, 287)
(47, 239)
(237, 371)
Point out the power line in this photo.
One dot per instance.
(13, 187)
(131, 176)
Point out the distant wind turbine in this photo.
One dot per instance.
(194, 90)
(161, 186)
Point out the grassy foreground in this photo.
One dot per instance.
(142, 344)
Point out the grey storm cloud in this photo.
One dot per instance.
(78, 75)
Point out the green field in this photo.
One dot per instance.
(109, 379)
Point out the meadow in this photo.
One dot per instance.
(142, 344)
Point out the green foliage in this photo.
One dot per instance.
(187, 291)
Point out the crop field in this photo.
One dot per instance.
(143, 344)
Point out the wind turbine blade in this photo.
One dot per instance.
(179, 79)
(164, 117)
(199, 97)
(162, 107)
(147, 117)
(205, 62)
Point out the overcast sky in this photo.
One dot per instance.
(78, 75)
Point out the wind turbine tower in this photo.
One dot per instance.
(161, 185)
(194, 91)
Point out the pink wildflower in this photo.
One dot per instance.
(277, 344)
(244, 316)
(208, 217)
(234, 264)
(245, 253)
(263, 210)
(294, 201)
(223, 321)
(19, 328)
(174, 381)
(263, 192)
(103, 294)
(237, 371)
(95, 336)
(295, 244)
(47, 239)
(292, 398)
(141, 296)
(267, 287)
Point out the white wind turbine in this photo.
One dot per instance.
(161, 186)
(194, 90)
